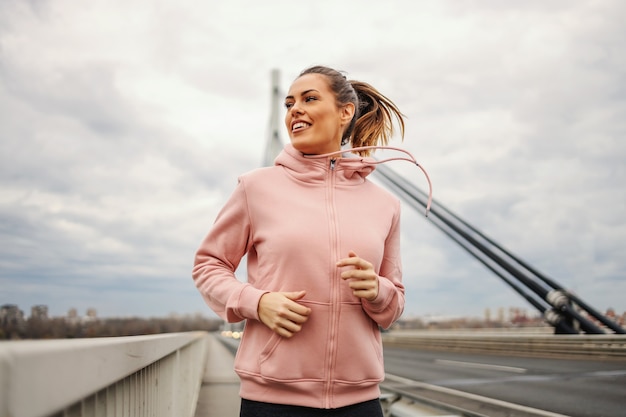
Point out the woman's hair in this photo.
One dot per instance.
(372, 123)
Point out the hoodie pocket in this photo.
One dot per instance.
(359, 347)
(301, 357)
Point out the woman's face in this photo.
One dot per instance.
(314, 121)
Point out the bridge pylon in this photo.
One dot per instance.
(274, 144)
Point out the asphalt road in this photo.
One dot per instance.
(572, 387)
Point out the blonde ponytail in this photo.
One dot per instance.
(373, 121)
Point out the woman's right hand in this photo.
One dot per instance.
(280, 312)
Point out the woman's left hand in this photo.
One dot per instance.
(363, 280)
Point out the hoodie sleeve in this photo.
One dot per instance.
(387, 307)
(219, 256)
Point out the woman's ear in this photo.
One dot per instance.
(347, 113)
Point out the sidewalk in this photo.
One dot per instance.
(219, 393)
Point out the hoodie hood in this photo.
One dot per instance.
(350, 167)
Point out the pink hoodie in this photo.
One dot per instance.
(295, 220)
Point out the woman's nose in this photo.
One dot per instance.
(295, 108)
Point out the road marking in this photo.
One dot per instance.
(481, 366)
(487, 400)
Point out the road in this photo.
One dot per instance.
(571, 387)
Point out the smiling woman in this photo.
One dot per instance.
(323, 246)
(351, 110)
(313, 118)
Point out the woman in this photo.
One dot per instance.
(323, 246)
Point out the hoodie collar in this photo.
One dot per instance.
(349, 168)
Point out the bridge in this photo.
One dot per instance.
(191, 375)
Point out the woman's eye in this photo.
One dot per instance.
(310, 98)
(288, 105)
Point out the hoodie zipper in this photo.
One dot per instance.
(334, 282)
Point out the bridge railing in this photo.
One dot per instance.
(156, 375)
(602, 347)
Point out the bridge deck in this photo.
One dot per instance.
(219, 393)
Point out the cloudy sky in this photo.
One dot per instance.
(125, 123)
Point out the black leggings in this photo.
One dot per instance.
(250, 408)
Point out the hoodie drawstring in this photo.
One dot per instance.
(409, 158)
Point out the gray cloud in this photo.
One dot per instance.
(124, 126)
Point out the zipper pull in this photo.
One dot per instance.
(332, 164)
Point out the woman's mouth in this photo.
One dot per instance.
(298, 126)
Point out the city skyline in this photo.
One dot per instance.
(496, 314)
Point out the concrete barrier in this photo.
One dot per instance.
(156, 375)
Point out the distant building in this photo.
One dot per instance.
(12, 323)
(11, 315)
(487, 315)
(91, 314)
(72, 316)
(501, 315)
(39, 312)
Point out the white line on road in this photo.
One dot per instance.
(481, 366)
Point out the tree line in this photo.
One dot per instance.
(62, 328)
